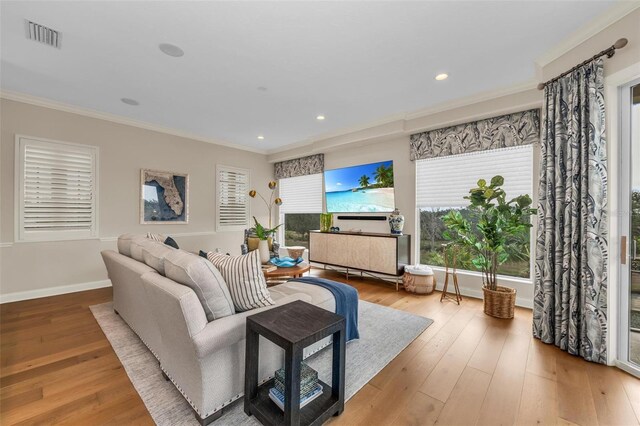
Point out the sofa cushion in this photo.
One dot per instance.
(245, 278)
(138, 244)
(154, 254)
(124, 244)
(204, 279)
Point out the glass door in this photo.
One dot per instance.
(634, 234)
(629, 337)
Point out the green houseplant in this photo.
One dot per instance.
(498, 223)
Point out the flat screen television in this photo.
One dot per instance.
(367, 188)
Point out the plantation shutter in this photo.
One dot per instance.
(442, 182)
(301, 194)
(57, 190)
(233, 198)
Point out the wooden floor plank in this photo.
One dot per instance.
(610, 398)
(488, 351)
(422, 411)
(463, 406)
(502, 402)
(575, 400)
(539, 402)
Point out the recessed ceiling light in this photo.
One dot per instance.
(320, 117)
(261, 137)
(130, 101)
(171, 50)
(442, 76)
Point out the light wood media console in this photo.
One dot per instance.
(378, 253)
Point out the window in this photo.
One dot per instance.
(232, 209)
(301, 208)
(441, 184)
(56, 190)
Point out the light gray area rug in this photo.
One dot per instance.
(384, 333)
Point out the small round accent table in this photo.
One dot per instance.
(279, 275)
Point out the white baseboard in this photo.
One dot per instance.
(52, 291)
(523, 302)
(478, 294)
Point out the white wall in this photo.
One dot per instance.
(42, 268)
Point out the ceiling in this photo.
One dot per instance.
(269, 68)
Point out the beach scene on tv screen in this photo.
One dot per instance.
(367, 188)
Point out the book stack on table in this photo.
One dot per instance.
(310, 389)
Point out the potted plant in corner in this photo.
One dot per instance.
(498, 222)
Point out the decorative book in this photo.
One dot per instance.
(278, 398)
(269, 268)
(308, 379)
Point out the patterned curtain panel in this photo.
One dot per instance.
(570, 297)
(520, 128)
(299, 167)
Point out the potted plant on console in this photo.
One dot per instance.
(264, 234)
(498, 222)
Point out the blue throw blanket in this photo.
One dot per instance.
(346, 302)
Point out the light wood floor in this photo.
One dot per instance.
(57, 367)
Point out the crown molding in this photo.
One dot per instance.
(473, 99)
(399, 125)
(59, 106)
(587, 31)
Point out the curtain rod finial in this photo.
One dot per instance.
(620, 43)
(541, 86)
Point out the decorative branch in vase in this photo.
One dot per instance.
(272, 201)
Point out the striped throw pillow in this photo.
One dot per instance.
(245, 279)
(156, 237)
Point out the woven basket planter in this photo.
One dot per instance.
(499, 303)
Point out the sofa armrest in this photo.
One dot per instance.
(175, 305)
(224, 332)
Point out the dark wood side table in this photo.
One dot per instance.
(293, 327)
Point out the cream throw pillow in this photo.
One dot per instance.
(243, 274)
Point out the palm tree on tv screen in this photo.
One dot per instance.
(384, 176)
(364, 181)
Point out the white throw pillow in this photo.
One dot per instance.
(203, 278)
(154, 254)
(245, 279)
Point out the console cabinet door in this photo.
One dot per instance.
(337, 249)
(383, 256)
(318, 247)
(358, 247)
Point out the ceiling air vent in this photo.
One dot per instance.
(42, 34)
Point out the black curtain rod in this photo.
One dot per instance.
(609, 52)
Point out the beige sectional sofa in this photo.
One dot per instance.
(204, 359)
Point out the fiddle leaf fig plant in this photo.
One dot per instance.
(499, 222)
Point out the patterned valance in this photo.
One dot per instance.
(299, 166)
(520, 128)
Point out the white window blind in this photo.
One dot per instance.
(443, 182)
(57, 186)
(232, 209)
(301, 194)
